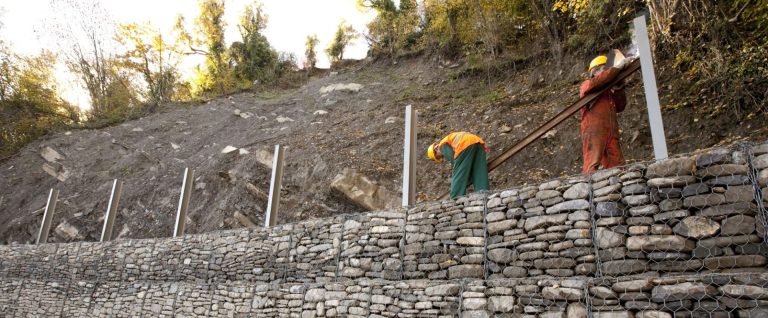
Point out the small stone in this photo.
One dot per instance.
(562, 293)
(607, 238)
(738, 225)
(736, 261)
(745, 291)
(544, 221)
(623, 267)
(644, 210)
(728, 181)
(502, 255)
(577, 191)
(608, 209)
(704, 200)
(501, 304)
(708, 159)
(547, 194)
(667, 182)
(695, 189)
(729, 209)
(465, 271)
(471, 241)
(443, 290)
(573, 205)
(633, 200)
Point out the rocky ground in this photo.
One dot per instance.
(347, 122)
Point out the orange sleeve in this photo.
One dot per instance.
(599, 81)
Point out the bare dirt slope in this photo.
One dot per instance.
(324, 133)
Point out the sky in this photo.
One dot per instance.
(24, 26)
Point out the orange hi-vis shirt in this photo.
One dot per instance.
(460, 141)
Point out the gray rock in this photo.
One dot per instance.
(551, 185)
(443, 290)
(728, 180)
(704, 200)
(607, 238)
(633, 200)
(760, 162)
(608, 209)
(314, 295)
(729, 209)
(697, 227)
(515, 272)
(667, 182)
(614, 188)
(501, 226)
(562, 293)
(474, 314)
(645, 210)
(659, 243)
(466, 271)
(623, 267)
(695, 189)
(572, 205)
(602, 292)
(670, 167)
(544, 221)
(501, 304)
(634, 189)
(738, 225)
(683, 291)
(502, 255)
(601, 175)
(637, 285)
(613, 314)
(745, 291)
(743, 193)
(547, 194)
(653, 314)
(670, 205)
(553, 263)
(708, 159)
(736, 261)
(722, 170)
(577, 191)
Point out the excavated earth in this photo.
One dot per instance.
(358, 127)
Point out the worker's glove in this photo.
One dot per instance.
(626, 62)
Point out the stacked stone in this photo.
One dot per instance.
(9, 293)
(446, 240)
(760, 164)
(277, 300)
(277, 248)
(336, 300)
(718, 295)
(158, 300)
(318, 248)
(371, 245)
(622, 207)
(24, 261)
(551, 234)
(228, 252)
(234, 298)
(38, 298)
(535, 298)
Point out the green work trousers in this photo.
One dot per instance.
(470, 165)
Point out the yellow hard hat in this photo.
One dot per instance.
(600, 60)
(431, 153)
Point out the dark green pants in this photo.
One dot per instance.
(470, 165)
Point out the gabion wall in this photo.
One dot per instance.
(683, 237)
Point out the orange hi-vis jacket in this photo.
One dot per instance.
(460, 141)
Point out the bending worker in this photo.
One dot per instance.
(466, 153)
(599, 121)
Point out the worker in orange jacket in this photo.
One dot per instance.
(599, 121)
(466, 153)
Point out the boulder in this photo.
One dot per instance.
(670, 167)
(697, 227)
(67, 231)
(683, 291)
(363, 192)
(660, 243)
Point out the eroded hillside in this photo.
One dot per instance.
(357, 127)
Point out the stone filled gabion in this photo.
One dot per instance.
(683, 237)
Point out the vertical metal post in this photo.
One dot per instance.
(109, 218)
(181, 213)
(409, 157)
(50, 208)
(274, 188)
(651, 91)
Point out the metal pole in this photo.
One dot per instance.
(409, 157)
(651, 91)
(50, 208)
(109, 218)
(274, 188)
(181, 213)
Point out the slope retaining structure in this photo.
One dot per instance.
(683, 237)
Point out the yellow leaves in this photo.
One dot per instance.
(573, 6)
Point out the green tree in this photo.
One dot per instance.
(344, 34)
(310, 52)
(149, 55)
(253, 57)
(395, 26)
(30, 105)
(209, 42)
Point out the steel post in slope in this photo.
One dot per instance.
(50, 209)
(651, 91)
(409, 157)
(181, 212)
(273, 205)
(109, 218)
